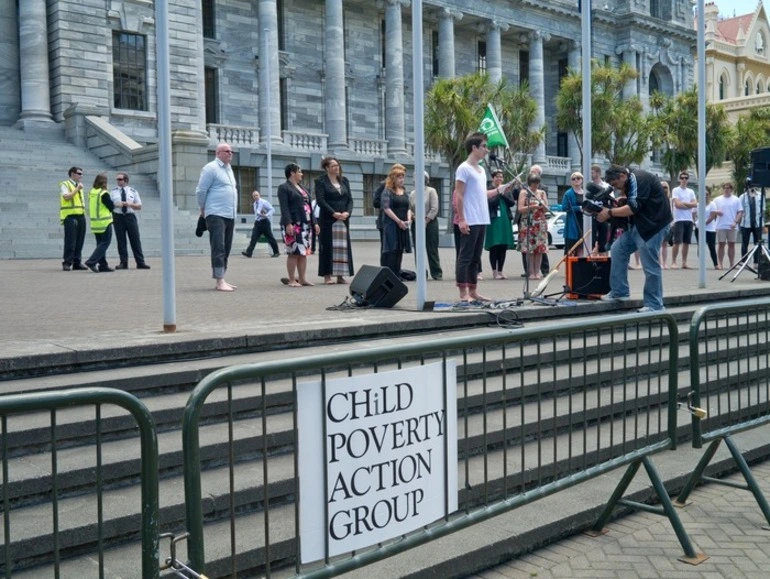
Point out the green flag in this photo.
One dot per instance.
(491, 127)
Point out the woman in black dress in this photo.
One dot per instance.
(335, 202)
(395, 224)
(296, 225)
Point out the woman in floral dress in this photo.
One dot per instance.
(533, 231)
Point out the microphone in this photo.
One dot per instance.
(494, 159)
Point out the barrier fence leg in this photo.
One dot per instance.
(697, 474)
(751, 482)
(691, 556)
(620, 490)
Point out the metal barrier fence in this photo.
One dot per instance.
(730, 378)
(539, 410)
(28, 536)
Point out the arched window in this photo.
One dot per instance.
(722, 87)
(759, 90)
(746, 89)
(654, 84)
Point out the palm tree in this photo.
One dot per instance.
(752, 131)
(618, 126)
(674, 122)
(454, 108)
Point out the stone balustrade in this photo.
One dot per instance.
(303, 141)
(558, 164)
(234, 135)
(368, 147)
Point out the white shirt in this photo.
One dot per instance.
(730, 207)
(685, 195)
(475, 206)
(710, 208)
(131, 196)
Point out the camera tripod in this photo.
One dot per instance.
(743, 262)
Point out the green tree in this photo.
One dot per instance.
(674, 125)
(619, 128)
(454, 109)
(752, 131)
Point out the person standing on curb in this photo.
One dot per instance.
(72, 213)
(431, 228)
(684, 201)
(100, 208)
(127, 202)
(263, 212)
(650, 217)
(217, 194)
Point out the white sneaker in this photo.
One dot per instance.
(612, 298)
(648, 309)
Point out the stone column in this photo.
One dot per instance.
(269, 86)
(394, 77)
(740, 89)
(446, 42)
(574, 61)
(629, 57)
(495, 51)
(537, 86)
(334, 88)
(9, 63)
(33, 51)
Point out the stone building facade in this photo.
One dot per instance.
(311, 77)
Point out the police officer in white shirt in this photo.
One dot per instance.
(127, 202)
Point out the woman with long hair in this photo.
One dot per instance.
(395, 224)
(100, 208)
(335, 203)
(297, 223)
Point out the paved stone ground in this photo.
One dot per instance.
(722, 522)
(47, 310)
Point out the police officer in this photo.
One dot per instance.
(127, 203)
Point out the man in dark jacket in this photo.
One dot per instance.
(649, 214)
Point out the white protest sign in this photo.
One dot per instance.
(388, 456)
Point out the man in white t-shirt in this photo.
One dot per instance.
(472, 215)
(684, 202)
(727, 209)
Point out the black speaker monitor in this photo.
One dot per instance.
(377, 287)
(760, 167)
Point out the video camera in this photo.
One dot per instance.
(597, 198)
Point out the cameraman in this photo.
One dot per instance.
(649, 216)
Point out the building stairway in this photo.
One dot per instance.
(497, 425)
(32, 165)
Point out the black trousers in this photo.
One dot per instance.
(103, 241)
(469, 256)
(746, 234)
(74, 238)
(431, 248)
(127, 224)
(262, 227)
(392, 260)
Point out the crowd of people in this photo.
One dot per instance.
(644, 218)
